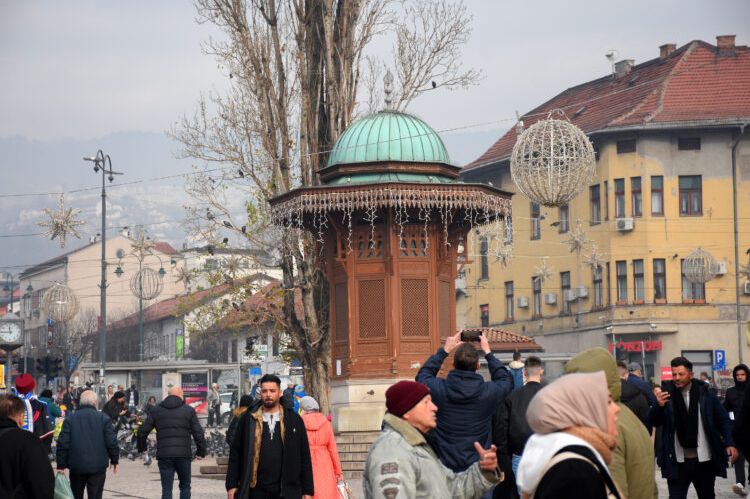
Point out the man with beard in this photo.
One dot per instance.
(733, 405)
(269, 456)
(696, 434)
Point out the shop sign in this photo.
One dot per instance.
(666, 373)
(635, 346)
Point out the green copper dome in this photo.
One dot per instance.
(389, 136)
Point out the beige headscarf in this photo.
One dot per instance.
(578, 399)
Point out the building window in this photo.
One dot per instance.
(564, 218)
(660, 280)
(565, 288)
(691, 292)
(485, 264)
(596, 205)
(485, 314)
(234, 350)
(536, 285)
(625, 146)
(689, 143)
(619, 197)
(691, 195)
(598, 288)
(536, 222)
(622, 282)
(606, 200)
(509, 301)
(657, 195)
(636, 196)
(639, 284)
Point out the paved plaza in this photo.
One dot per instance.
(138, 481)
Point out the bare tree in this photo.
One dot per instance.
(295, 68)
(73, 341)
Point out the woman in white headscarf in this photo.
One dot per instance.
(575, 429)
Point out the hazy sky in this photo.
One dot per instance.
(79, 75)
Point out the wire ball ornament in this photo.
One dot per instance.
(552, 161)
(60, 303)
(146, 284)
(700, 266)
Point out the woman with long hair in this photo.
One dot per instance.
(575, 430)
(245, 402)
(325, 458)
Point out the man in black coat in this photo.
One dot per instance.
(86, 446)
(510, 431)
(465, 401)
(696, 434)
(269, 457)
(25, 471)
(175, 423)
(733, 405)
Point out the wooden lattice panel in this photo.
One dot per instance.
(342, 312)
(372, 309)
(415, 310)
(444, 302)
(370, 248)
(413, 242)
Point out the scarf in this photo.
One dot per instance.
(686, 418)
(28, 415)
(603, 442)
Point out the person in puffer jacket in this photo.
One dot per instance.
(403, 463)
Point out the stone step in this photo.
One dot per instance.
(222, 461)
(214, 477)
(213, 470)
(356, 438)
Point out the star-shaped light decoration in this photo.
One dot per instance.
(184, 276)
(142, 246)
(543, 272)
(504, 254)
(594, 259)
(62, 223)
(576, 240)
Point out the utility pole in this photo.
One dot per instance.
(104, 163)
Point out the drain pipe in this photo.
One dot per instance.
(738, 308)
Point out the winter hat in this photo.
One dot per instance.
(25, 384)
(307, 404)
(118, 395)
(299, 389)
(404, 395)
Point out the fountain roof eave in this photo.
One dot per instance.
(332, 198)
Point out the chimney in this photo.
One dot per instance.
(725, 44)
(666, 49)
(623, 67)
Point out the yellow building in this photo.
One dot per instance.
(671, 146)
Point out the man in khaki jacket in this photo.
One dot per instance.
(403, 464)
(633, 459)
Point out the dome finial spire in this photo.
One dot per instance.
(388, 89)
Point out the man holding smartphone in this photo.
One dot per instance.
(465, 401)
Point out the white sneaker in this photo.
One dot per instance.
(739, 489)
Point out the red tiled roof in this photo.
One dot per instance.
(165, 248)
(264, 305)
(693, 84)
(506, 341)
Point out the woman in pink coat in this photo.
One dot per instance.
(325, 459)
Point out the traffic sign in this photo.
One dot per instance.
(720, 360)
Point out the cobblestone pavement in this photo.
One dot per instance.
(136, 481)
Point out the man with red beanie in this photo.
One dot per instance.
(403, 462)
(35, 419)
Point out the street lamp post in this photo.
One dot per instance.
(104, 163)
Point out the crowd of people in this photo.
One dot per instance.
(598, 431)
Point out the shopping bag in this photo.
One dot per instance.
(345, 492)
(62, 487)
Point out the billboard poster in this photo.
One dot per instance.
(179, 343)
(195, 388)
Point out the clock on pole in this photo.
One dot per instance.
(11, 338)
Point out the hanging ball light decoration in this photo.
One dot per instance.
(552, 161)
(60, 303)
(700, 266)
(146, 283)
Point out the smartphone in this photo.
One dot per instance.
(470, 335)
